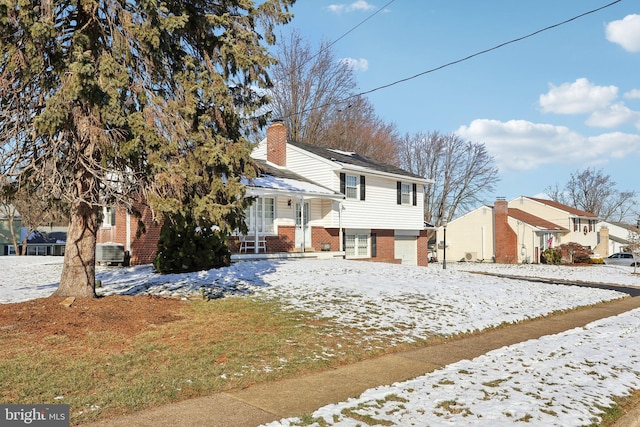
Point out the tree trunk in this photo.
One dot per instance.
(78, 273)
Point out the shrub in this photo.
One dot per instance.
(551, 256)
(184, 247)
(596, 261)
(574, 253)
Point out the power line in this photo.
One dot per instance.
(482, 52)
(328, 46)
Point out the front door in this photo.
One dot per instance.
(303, 231)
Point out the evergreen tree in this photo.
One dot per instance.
(185, 247)
(112, 101)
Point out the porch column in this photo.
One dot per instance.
(255, 226)
(340, 232)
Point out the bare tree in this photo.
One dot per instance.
(463, 172)
(314, 94)
(633, 245)
(358, 129)
(594, 191)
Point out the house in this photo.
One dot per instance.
(137, 236)
(10, 225)
(366, 209)
(46, 240)
(517, 231)
(615, 237)
(311, 201)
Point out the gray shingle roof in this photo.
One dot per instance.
(353, 159)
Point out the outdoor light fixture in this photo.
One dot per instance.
(444, 249)
(289, 202)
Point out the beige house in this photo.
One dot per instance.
(517, 231)
(615, 237)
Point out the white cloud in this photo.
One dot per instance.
(613, 116)
(625, 32)
(358, 5)
(356, 64)
(522, 145)
(578, 97)
(632, 94)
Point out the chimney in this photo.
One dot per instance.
(506, 241)
(277, 144)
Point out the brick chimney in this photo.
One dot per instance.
(506, 240)
(277, 144)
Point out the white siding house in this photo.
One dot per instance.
(366, 209)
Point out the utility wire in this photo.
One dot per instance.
(482, 52)
(328, 46)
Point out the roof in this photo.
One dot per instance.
(565, 208)
(533, 220)
(354, 159)
(279, 180)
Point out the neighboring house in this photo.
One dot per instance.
(46, 240)
(9, 217)
(313, 201)
(615, 237)
(517, 231)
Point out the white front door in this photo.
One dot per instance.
(303, 231)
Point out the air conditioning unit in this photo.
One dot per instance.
(109, 253)
(471, 256)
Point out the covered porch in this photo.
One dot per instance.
(290, 218)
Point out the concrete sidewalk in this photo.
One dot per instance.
(301, 395)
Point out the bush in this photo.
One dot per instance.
(574, 253)
(184, 247)
(551, 256)
(596, 261)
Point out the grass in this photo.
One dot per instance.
(216, 346)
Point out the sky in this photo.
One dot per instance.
(560, 101)
(557, 380)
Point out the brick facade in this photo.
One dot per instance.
(385, 246)
(143, 246)
(506, 240)
(423, 248)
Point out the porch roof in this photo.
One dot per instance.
(282, 182)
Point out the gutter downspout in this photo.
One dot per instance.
(302, 225)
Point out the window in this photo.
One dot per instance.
(356, 245)
(264, 208)
(351, 187)
(406, 194)
(109, 216)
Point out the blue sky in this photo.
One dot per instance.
(560, 101)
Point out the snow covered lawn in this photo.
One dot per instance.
(557, 380)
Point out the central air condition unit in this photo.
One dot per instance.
(471, 256)
(109, 253)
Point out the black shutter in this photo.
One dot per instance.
(399, 193)
(343, 184)
(374, 246)
(415, 194)
(362, 187)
